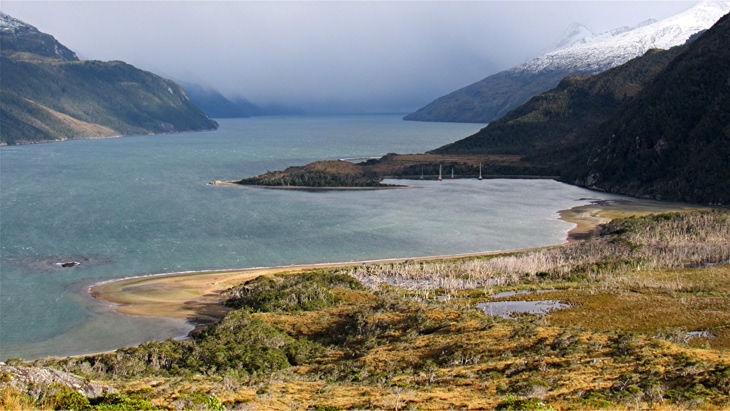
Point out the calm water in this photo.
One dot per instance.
(138, 205)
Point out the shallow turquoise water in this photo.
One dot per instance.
(139, 205)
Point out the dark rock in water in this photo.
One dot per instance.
(54, 263)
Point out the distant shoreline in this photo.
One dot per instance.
(227, 183)
(223, 183)
(109, 137)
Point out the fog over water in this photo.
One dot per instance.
(326, 57)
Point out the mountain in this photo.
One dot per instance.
(672, 141)
(47, 93)
(580, 53)
(216, 105)
(657, 126)
(22, 38)
(558, 116)
(576, 33)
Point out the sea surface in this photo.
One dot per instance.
(140, 205)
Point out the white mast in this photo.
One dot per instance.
(452, 172)
(480, 171)
(440, 172)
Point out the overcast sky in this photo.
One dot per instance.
(348, 57)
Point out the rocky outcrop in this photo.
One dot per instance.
(34, 381)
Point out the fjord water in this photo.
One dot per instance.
(140, 205)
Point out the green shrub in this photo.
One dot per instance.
(239, 343)
(68, 399)
(242, 342)
(596, 400)
(202, 401)
(513, 403)
(291, 293)
(121, 402)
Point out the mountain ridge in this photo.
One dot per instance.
(657, 126)
(672, 140)
(575, 104)
(497, 94)
(49, 94)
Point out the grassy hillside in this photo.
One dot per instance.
(54, 96)
(646, 327)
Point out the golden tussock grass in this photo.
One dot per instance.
(414, 338)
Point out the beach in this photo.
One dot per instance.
(197, 296)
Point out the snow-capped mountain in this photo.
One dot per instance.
(576, 33)
(17, 36)
(10, 24)
(580, 52)
(615, 47)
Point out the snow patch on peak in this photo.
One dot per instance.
(606, 50)
(575, 33)
(11, 24)
(624, 29)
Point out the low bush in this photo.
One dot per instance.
(121, 402)
(200, 401)
(67, 399)
(290, 293)
(240, 343)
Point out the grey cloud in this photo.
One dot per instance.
(360, 56)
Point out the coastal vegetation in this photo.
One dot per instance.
(646, 326)
(371, 173)
(320, 174)
(621, 246)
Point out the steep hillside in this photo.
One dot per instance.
(48, 94)
(581, 53)
(673, 139)
(558, 115)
